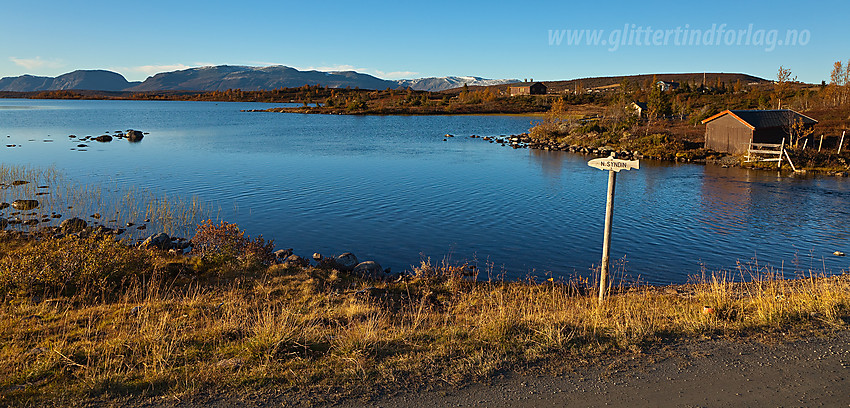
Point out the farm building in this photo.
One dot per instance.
(637, 108)
(732, 131)
(667, 85)
(528, 88)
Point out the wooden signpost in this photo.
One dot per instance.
(613, 166)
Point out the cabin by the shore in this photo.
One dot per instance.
(528, 88)
(732, 131)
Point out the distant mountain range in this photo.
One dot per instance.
(223, 77)
(97, 80)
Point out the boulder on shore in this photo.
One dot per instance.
(160, 241)
(73, 225)
(346, 262)
(282, 254)
(369, 270)
(295, 260)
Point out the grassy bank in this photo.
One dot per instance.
(91, 319)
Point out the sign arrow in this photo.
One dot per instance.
(609, 163)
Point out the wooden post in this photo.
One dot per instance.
(841, 142)
(781, 149)
(606, 242)
(789, 161)
(749, 149)
(613, 165)
(821, 143)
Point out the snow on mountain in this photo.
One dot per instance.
(223, 77)
(435, 84)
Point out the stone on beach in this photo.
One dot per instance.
(159, 241)
(282, 254)
(369, 270)
(295, 260)
(346, 262)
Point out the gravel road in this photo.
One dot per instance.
(804, 372)
(808, 372)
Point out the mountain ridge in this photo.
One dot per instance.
(96, 79)
(249, 78)
(223, 77)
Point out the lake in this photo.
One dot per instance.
(390, 189)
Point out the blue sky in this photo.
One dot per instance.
(404, 40)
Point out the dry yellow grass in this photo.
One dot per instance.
(318, 330)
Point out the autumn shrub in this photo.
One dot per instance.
(825, 159)
(226, 245)
(592, 126)
(656, 145)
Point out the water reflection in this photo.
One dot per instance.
(551, 162)
(725, 201)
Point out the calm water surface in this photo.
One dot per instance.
(389, 188)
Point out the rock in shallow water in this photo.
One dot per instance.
(134, 136)
(24, 205)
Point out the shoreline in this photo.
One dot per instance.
(691, 154)
(378, 112)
